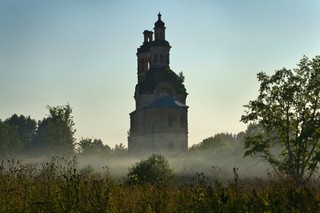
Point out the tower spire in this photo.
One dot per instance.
(159, 16)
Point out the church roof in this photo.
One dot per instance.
(166, 101)
(144, 48)
(161, 42)
(156, 75)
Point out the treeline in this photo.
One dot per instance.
(221, 142)
(53, 135)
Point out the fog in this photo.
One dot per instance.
(214, 164)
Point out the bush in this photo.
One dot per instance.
(57, 186)
(87, 170)
(153, 170)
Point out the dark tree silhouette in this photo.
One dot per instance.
(153, 170)
(89, 146)
(26, 129)
(55, 134)
(288, 112)
(9, 140)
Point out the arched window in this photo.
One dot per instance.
(181, 121)
(155, 58)
(132, 124)
(161, 58)
(171, 145)
(170, 121)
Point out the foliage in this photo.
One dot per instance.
(52, 135)
(288, 112)
(58, 186)
(26, 129)
(89, 146)
(55, 134)
(87, 170)
(154, 170)
(219, 142)
(9, 140)
(119, 149)
(181, 77)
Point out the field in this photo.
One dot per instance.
(58, 185)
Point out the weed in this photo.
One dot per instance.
(59, 186)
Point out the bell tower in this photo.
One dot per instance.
(160, 48)
(159, 29)
(143, 54)
(159, 122)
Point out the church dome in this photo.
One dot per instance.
(157, 75)
(159, 23)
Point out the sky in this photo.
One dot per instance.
(83, 52)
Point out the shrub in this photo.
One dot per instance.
(153, 170)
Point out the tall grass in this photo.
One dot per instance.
(60, 186)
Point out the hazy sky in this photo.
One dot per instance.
(54, 52)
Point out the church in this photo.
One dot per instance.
(159, 123)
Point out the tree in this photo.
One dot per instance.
(288, 112)
(92, 146)
(153, 170)
(120, 149)
(219, 142)
(55, 134)
(9, 140)
(26, 129)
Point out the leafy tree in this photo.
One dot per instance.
(92, 146)
(120, 149)
(26, 129)
(55, 134)
(153, 170)
(9, 140)
(220, 141)
(288, 112)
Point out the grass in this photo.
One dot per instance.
(59, 186)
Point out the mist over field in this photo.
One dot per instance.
(36, 142)
(217, 164)
(213, 163)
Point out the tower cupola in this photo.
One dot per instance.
(160, 47)
(159, 29)
(143, 54)
(159, 122)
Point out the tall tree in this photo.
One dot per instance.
(55, 133)
(288, 112)
(9, 140)
(26, 129)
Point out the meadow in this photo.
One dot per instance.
(60, 185)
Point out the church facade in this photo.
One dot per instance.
(159, 122)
